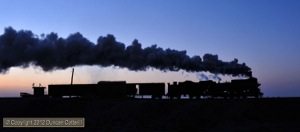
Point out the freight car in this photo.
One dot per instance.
(100, 90)
(156, 90)
(107, 90)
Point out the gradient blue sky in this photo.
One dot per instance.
(265, 34)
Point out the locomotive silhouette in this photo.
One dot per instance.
(241, 88)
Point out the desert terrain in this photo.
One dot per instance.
(265, 114)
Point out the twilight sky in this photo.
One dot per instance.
(264, 34)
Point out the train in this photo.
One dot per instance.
(239, 88)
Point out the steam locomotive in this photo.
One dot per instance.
(242, 88)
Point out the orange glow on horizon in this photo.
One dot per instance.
(20, 80)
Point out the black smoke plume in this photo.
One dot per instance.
(23, 48)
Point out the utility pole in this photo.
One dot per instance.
(72, 76)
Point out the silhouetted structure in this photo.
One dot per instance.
(240, 88)
(156, 90)
(209, 89)
(174, 90)
(100, 90)
(39, 91)
(25, 95)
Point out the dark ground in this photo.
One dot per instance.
(267, 114)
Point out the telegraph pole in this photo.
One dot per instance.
(72, 76)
